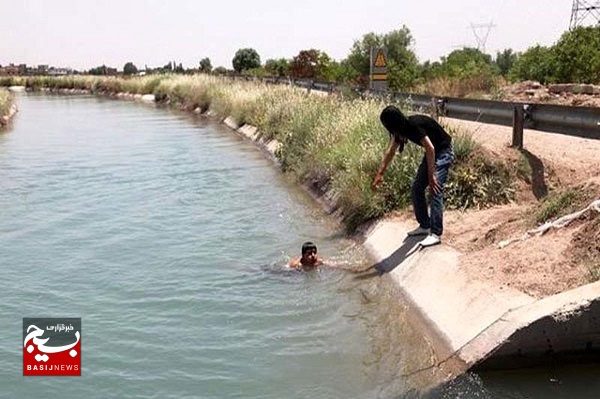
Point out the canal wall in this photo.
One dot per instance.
(5, 119)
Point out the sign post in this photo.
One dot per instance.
(379, 69)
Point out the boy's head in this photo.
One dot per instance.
(309, 253)
(395, 123)
(308, 247)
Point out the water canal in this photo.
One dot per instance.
(167, 235)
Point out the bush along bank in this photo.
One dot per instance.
(7, 107)
(332, 145)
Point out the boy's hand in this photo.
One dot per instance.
(434, 186)
(377, 180)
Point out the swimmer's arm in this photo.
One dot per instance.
(294, 263)
(329, 263)
(345, 267)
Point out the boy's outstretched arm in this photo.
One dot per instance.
(389, 155)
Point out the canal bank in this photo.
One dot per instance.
(11, 109)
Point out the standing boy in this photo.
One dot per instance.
(433, 171)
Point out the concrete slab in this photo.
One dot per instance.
(249, 131)
(231, 123)
(563, 324)
(475, 323)
(148, 98)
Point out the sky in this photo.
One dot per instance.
(82, 34)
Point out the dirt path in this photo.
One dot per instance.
(540, 266)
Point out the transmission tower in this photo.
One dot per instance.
(482, 33)
(584, 10)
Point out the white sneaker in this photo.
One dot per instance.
(419, 231)
(431, 239)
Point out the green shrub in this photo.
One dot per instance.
(6, 81)
(478, 182)
(555, 204)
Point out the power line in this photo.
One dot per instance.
(482, 33)
(584, 11)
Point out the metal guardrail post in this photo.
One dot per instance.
(440, 106)
(518, 123)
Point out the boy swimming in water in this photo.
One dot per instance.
(309, 258)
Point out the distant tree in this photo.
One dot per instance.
(179, 68)
(464, 71)
(310, 64)
(536, 63)
(244, 59)
(402, 60)
(101, 70)
(258, 72)
(467, 61)
(129, 69)
(279, 67)
(430, 70)
(334, 72)
(221, 70)
(344, 72)
(577, 55)
(205, 65)
(505, 60)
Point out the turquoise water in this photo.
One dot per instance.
(168, 235)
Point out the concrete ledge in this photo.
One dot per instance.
(148, 98)
(5, 120)
(563, 324)
(231, 123)
(17, 89)
(479, 325)
(251, 132)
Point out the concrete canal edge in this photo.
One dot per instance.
(5, 119)
(472, 324)
(480, 326)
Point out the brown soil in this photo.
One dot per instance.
(534, 92)
(540, 266)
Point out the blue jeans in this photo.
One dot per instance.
(435, 219)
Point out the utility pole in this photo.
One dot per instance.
(482, 33)
(584, 11)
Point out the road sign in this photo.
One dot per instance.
(379, 69)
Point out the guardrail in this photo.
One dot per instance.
(572, 121)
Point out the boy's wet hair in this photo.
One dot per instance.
(395, 122)
(308, 246)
